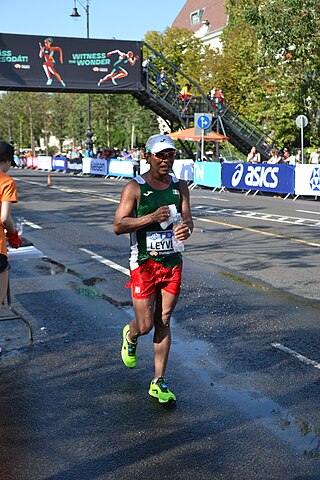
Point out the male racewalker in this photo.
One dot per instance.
(155, 267)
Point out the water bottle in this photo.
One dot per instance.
(178, 245)
(20, 225)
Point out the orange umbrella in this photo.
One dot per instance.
(188, 134)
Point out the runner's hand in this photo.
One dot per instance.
(161, 214)
(14, 240)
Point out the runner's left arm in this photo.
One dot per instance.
(184, 231)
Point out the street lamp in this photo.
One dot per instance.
(75, 14)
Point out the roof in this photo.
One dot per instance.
(213, 12)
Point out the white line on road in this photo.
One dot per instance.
(107, 262)
(308, 211)
(297, 355)
(214, 198)
(33, 225)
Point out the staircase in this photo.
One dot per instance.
(164, 99)
(242, 134)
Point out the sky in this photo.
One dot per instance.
(119, 19)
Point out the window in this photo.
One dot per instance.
(196, 17)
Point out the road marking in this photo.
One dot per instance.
(310, 222)
(33, 225)
(261, 232)
(308, 211)
(219, 199)
(70, 190)
(295, 354)
(107, 262)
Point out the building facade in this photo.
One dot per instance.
(205, 18)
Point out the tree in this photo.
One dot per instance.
(285, 54)
(184, 50)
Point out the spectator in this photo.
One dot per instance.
(8, 196)
(185, 94)
(298, 157)
(254, 156)
(15, 162)
(314, 157)
(213, 93)
(285, 156)
(136, 157)
(161, 81)
(219, 100)
(274, 157)
(125, 154)
(145, 69)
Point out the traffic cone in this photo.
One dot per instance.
(49, 181)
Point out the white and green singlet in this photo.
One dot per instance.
(152, 242)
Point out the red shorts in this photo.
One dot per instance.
(150, 275)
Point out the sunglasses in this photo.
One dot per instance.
(164, 155)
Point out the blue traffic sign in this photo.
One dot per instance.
(204, 122)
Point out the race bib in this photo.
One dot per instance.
(159, 243)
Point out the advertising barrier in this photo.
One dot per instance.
(74, 165)
(120, 168)
(182, 169)
(44, 162)
(263, 177)
(59, 163)
(285, 179)
(307, 180)
(207, 174)
(95, 166)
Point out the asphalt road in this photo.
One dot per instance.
(245, 356)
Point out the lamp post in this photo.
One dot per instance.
(75, 14)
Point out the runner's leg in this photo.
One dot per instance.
(144, 317)
(165, 304)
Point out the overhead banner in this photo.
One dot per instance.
(265, 177)
(45, 63)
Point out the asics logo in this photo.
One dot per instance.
(148, 193)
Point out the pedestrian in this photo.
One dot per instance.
(161, 81)
(220, 100)
(145, 70)
(8, 196)
(146, 210)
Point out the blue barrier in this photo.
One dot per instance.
(264, 177)
(244, 176)
(59, 163)
(207, 174)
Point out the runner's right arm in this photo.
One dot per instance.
(125, 222)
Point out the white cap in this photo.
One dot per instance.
(159, 142)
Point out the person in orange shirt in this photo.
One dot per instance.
(8, 196)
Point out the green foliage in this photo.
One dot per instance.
(28, 116)
(183, 50)
(286, 56)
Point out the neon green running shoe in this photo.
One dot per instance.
(160, 390)
(128, 350)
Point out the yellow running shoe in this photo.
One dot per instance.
(160, 390)
(128, 350)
